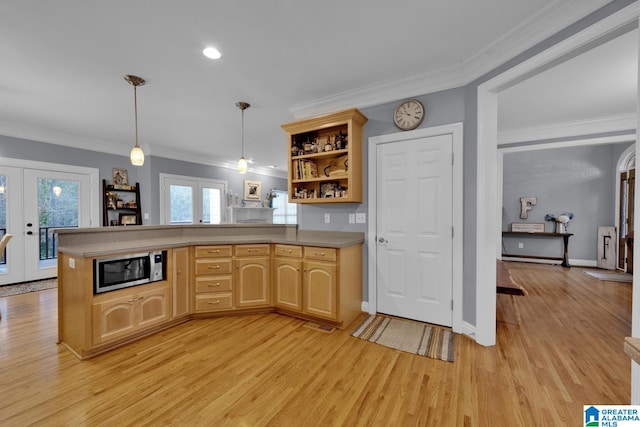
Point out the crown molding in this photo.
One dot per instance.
(381, 93)
(623, 122)
(540, 26)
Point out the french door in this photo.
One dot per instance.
(33, 202)
(188, 200)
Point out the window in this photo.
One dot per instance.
(187, 200)
(285, 212)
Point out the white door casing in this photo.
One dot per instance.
(454, 133)
(414, 229)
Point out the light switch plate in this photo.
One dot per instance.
(352, 218)
(361, 218)
(327, 218)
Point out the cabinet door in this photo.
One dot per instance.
(113, 319)
(252, 282)
(288, 283)
(180, 282)
(152, 307)
(320, 289)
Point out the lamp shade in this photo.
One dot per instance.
(137, 156)
(242, 165)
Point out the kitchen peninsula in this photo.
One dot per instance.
(207, 270)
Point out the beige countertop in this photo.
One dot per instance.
(95, 242)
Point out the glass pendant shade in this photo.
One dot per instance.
(242, 165)
(137, 156)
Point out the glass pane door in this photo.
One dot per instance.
(187, 200)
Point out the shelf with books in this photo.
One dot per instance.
(325, 158)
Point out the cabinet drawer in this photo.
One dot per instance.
(212, 251)
(252, 250)
(327, 254)
(213, 283)
(214, 301)
(213, 266)
(289, 250)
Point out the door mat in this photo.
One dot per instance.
(23, 288)
(407, 335)
(318, 327)
(610, 276)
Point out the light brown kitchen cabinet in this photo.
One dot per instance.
(325, 158)
(288, 277)
(213, 278)
(122, 313)
(320, 289)
(252, 275)
(181, 261)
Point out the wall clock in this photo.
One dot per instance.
(409, 114)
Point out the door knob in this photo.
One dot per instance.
(382, 240)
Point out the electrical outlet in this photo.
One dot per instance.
(327, 218)
(146, 215)
(361, 218)
(352, 218)
(72, 263)
(520, 245)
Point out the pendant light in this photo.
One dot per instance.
(137, 155)
(242, 163)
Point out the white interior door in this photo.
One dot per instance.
(414, 229)
(11, 207)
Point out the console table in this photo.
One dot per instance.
(564, 236)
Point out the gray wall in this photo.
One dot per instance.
(441, 108)
(581, 180)
(147, 175)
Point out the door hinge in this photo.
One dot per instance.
(452, 232)
(452, 158)
(451, 305)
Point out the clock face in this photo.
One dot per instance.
(409, 114)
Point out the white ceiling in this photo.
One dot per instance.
(600, 83)
(63, 62)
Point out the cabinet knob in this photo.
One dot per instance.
(179, 272)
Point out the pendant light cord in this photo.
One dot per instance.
(242, 132)
(135, 107)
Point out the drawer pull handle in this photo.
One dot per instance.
(135, 299)
(288, 251)
(319, 253)
(213, 267)
(214, 285)
(214, 302)
(252, 250)
(217, 251)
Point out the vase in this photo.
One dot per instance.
(561, 228)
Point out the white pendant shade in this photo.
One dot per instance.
(242, 165)
(137, 156)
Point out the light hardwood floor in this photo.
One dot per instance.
(270, 370)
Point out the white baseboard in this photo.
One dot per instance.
(365, 307)
(469, 330)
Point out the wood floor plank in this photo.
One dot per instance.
(268, 369)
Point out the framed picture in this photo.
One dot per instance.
(120, 177)
(128, 219)
(252, 190)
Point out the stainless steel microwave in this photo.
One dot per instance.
(125, 271)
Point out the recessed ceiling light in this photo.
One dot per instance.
(274, 166)
(212, 53)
